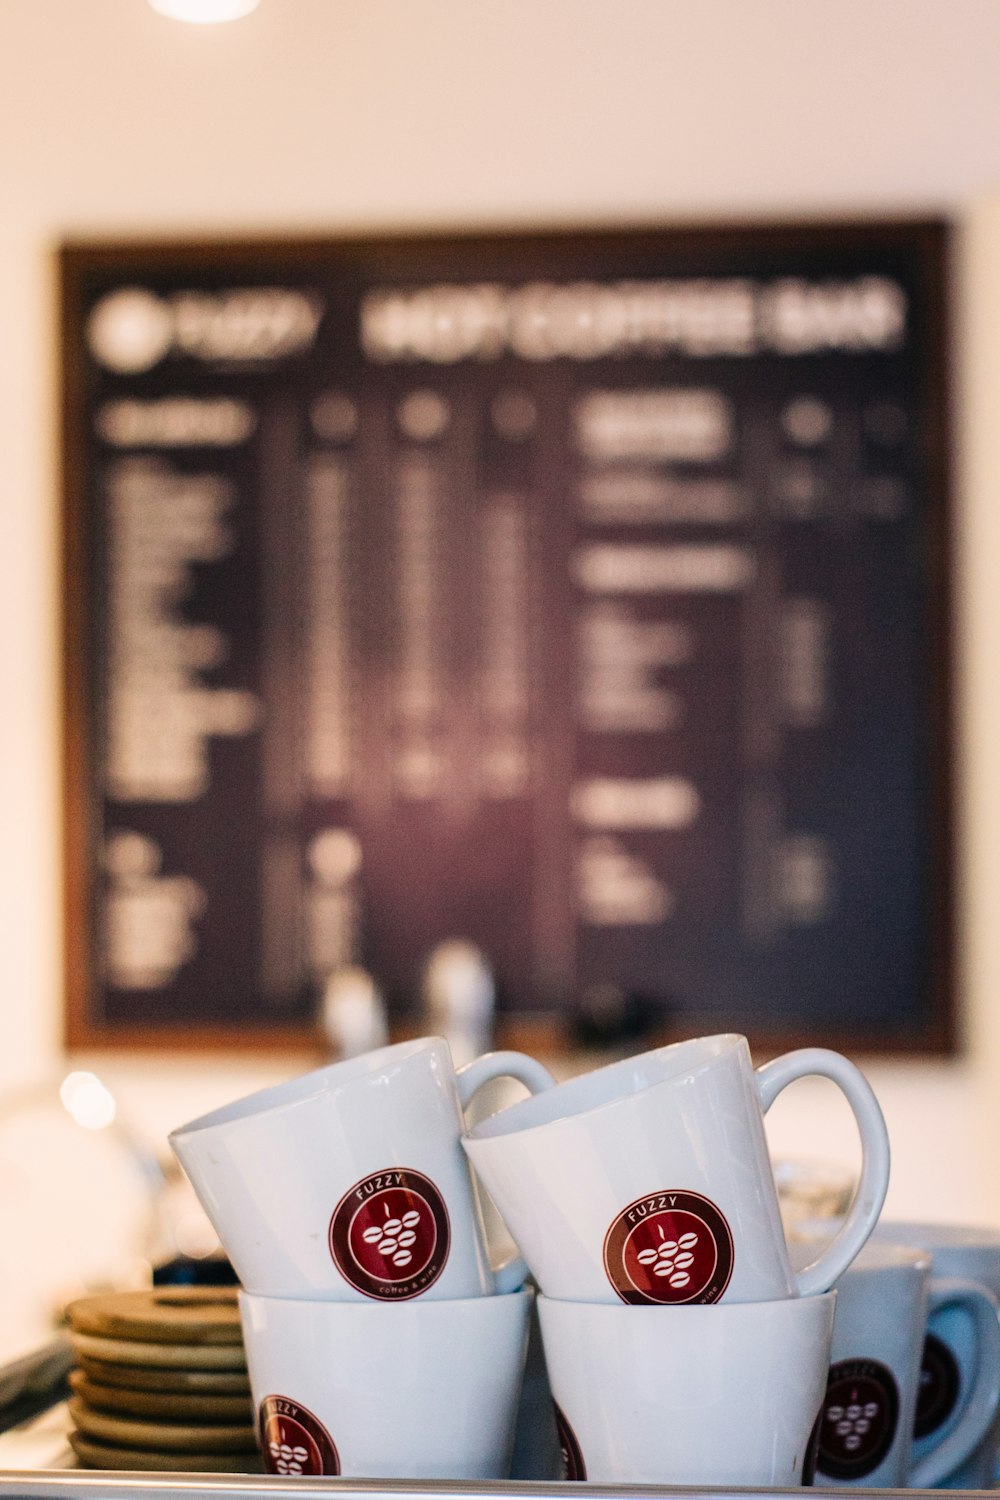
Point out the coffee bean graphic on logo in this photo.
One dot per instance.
(938, 1388)
(572, 1459)
(389, 1234)
(669, 1247)
(293, 1441)
(859, 1419)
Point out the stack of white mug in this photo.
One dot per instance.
(681, 1346)
(379, 1340)
(913, 1393)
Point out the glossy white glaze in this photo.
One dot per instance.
(564, 1166)
(722, 1395)
(421, 1390)
(271, 1169)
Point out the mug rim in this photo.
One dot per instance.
(783, 1307)
(368, 1312)
(293, 1092)
(508, 1121)
(875, 1258)
(929, 1235)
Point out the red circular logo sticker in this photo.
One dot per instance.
(670, 1248)
(859, 1419)
(389, 1234)
(293, 1441)
(572, 1459)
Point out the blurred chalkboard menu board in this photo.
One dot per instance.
(581, 594)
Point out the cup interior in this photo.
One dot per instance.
(331, 1079)
(679, 1063)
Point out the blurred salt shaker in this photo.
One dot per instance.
(353, 1013)
(460, 998)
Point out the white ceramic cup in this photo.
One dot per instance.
(349, 1183)
(952, 1353)
(650, 1181)
(687, 1395)
(865, 1434)
(423, 1390)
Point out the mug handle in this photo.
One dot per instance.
(511, 1276)
(873, 1182)
(981, 1402)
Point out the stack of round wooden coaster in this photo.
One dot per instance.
(161, 1381)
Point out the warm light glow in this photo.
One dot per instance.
(87, 1100)
(203, 12)
(194, 1236)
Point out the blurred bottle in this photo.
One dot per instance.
(611, 1018)
(460, 998)
(353, 1015)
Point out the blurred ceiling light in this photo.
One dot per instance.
(204, 12)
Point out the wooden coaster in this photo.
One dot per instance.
(141, 1378)
(161, 1315)
(97, 1455)
(176, 1356)
(172, 1406)
(162, 1437)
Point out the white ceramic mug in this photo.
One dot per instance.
(424, 1390)
(865, 1434)
(687, 1395)
(650, 1181)
(951, 1350)
(349, 1183)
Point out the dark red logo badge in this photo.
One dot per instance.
(859, 1419)
(572, 1459)
(669, 1247)
(293, 1441)
(938, 1388)
(389, 1234)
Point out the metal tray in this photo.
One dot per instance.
(36, 1463)
(93, 1484)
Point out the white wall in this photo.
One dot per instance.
(317, 115)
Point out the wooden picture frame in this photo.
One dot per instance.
(582, 593)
